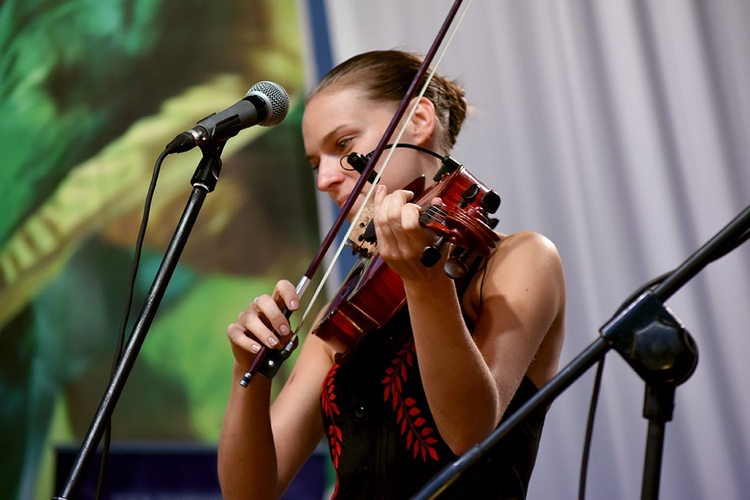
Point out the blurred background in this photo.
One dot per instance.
(92, 91)
(618, 129)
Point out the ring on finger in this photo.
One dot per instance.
(255, 304)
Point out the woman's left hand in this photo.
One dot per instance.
(401, 238)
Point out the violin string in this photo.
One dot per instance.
(386, 161)
(434, 211)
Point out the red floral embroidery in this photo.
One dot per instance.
(419, 437)
(330, 408)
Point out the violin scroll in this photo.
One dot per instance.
(463, 222)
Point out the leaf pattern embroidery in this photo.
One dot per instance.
(330, 408)
(419, 437)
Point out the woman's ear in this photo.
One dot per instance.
(423, 121)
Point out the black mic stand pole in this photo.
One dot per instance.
(651, 340)
(204, 181)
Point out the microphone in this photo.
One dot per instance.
(265, 104)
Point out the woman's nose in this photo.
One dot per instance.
(329, 173)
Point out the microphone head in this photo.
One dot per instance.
(276, 99)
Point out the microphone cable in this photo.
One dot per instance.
(130, 290)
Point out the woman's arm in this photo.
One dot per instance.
(262, 447)
(470, 377)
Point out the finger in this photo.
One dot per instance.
(388, 207)
(403, 218)
(243, 339)
(399, 197)
(272, 318)
(410, 221)
(383, 229)
(258, 320)
(380, 193)
(285, 295)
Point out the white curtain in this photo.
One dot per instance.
(618, 128)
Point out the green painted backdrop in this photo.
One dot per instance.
(90, 92)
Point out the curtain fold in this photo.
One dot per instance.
(618, 129)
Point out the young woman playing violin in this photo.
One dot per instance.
(418, 392)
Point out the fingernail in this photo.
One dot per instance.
(294, 304)
(273, 341)
(284, 330)
(255, 348)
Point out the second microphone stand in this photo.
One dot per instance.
(652, 341)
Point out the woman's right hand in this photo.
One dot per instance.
(263, 323)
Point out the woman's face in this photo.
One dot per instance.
(340, 120)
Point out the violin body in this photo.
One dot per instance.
(373, 293)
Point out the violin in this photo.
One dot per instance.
(372, 293)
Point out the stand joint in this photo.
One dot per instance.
(653, 341)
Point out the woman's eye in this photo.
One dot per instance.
(344, 143)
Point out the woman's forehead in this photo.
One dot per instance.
(350, 103)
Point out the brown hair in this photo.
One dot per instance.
(385, 75)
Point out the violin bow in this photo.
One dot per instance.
(268, 363)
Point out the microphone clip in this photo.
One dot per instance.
(358, 161)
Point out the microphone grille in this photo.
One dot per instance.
(276, 99)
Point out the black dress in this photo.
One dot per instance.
(382, 437)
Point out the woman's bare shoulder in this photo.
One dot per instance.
(525, 252)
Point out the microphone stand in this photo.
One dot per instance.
(653, 342)
(204, 181)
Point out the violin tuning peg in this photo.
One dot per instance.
(455, 268)
(432, 254)
(492, 222)
(490, 202)
(469, 195)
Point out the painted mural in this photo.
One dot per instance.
(90, 93)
